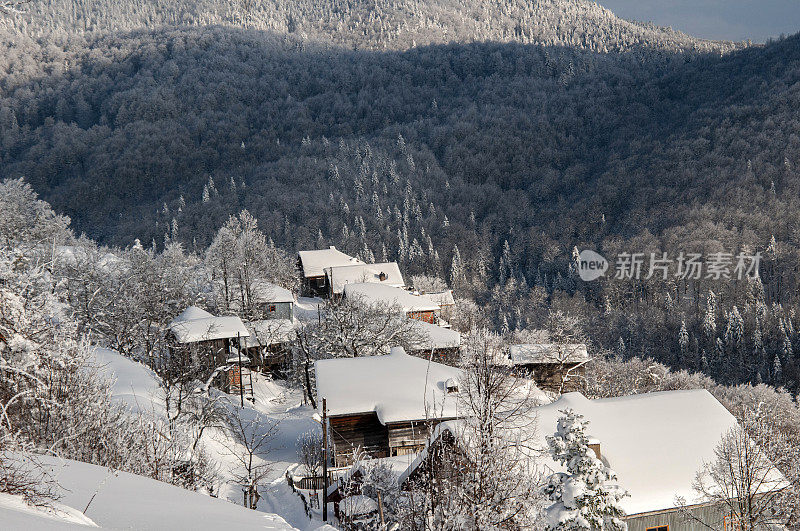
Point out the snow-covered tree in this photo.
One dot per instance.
(584, 497)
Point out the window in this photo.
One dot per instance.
(658, 528)
(271, 307)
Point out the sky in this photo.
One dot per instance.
(735, 20)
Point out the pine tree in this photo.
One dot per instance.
(585, 496)
(683, 338)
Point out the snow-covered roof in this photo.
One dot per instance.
(433, 336)
(191, 313)
(268, 332)
(339, 276)
(442, 298)
(548, 353)
(190, 329)
(315, 262)
(397, 386)
(655, 442)
(264, 291)
(391, 296)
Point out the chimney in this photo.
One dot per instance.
(382, 276)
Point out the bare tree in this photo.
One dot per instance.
(744, 483)
(253, 438)
(481, 470)
(309, 451)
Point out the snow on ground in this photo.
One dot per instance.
(137, 386)
(274, 402)
(133, 384)
(119, 500)
(307, 308)
(16, 514)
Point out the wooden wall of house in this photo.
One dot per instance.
(447, 356)
(710, 516)
(407, 437)
(548, 376)
(353, 431)
(314, 287)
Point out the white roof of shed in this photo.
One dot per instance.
(195, 325)
(548, 353)
(315, 262)
(435, 336)
(269, 292)
(382, 294)
(339, 276)
(397, 386)
(190, 313)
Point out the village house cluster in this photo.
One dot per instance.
(402, 408)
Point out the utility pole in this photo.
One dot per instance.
(324, 460)
(380, 507)
(239, 370)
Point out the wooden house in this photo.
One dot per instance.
(656, 443)
(268, 344)
(413, 305)
(554, 367)
(211, 340)
(442, 345)
(384, 405)
(445, 300)
(386, 273)
(312, 265)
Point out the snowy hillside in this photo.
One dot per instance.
(137, 387)
(118, 500)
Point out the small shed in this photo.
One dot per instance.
(442, 345)
(386, 273)
(413, 305)
(273, 301)
(556, 367)
(268, 344)
(384, 404)
(312, 264)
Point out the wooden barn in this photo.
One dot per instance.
(413, 305)
(559, 368)
(210, 339)
(384, 405)
(312, 265)
(654, 473)
(386, 273)
(442, 345)
(268, 344)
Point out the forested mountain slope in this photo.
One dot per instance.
(372, 24)
(482, 141)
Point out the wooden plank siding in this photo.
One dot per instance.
(446, 356)
(407, 437)
(364, 431)
(548, 376)
(710, 516)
